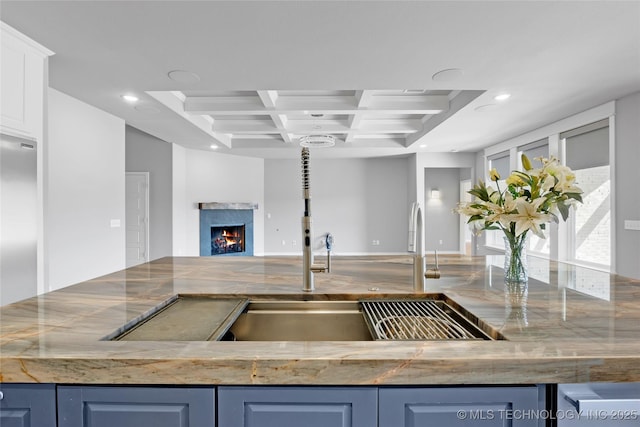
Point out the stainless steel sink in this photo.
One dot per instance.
(222, 318)
(300, 321)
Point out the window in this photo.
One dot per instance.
(589, 227)
(501, 163)
(534, 150)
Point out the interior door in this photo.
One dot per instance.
(137, 217)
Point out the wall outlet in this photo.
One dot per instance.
(440, 242)
(631, 225)
(284, 242)
(293, 243)
(375, 242)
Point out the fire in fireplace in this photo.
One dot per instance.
(227, 239)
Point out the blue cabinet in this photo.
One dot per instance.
(297, 406)
(461, 406)
(135, 406)
(27, 405)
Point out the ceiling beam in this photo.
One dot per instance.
(252, 105)
(269, 98)
(363, 99)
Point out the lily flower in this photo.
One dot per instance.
(528, 217)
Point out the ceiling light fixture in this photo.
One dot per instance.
(318, 141)
(182, 76)
(213, 146)
(130, 98)
(502, 97)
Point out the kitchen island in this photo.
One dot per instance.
(570, 325)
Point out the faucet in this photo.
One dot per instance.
(416, 246)
(308, 267)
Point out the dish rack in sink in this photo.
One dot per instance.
(418, 320)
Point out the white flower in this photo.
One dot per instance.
(501, 213)
(528, 217)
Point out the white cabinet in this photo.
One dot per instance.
(598, 405)
(22, 85)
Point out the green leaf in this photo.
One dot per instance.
(575, 196)
(564, 210)
(480, 193)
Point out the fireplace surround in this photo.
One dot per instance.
(226, 229)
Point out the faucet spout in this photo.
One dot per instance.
(416, 246)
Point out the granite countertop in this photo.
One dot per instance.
(570, 325)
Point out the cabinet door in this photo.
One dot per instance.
(22, 83)
(27, 405)
(297, 406)
(135, 407)
(460, 406)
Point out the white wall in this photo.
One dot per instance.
(356, 200)
(84, 191)
(214, 177)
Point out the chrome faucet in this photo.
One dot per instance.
(308, 267)
(416, 246)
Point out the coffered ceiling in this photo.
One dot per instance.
(262, 119)
(385, 78)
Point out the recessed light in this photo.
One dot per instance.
(502, 97)
(448, 75)
(423, 145)
(182, 76)
(130, 98)
(213, 146)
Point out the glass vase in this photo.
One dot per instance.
(515, 260)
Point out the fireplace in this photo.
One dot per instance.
(226, 229)
(227, 239)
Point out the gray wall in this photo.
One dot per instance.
(441, 224)
(146, 153)
(356, 200)
(627, 179)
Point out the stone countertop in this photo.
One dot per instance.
(570, 325)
